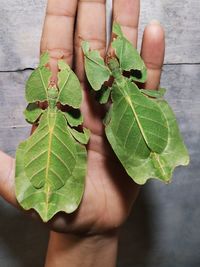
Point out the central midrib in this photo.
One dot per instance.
(122, 90)
(47, 187)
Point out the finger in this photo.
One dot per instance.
(152, 52)
(58, 30)
(126, 13)
(7, 173)
(90, 26)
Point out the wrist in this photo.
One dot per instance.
(76, 250)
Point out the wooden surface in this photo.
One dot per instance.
(181, 21)
(163, 228)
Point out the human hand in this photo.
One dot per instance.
(109, 192)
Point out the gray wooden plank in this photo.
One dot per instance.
(23, 241)
(181, 21)
(13, 127)
(12, 98)
(21, 27)
(21, 24)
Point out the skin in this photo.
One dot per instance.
(90, 234)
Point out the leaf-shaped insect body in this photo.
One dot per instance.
(32, 112)
(48, 152)
(143, 123)
(96, 70)
(38, 79)
(51, 163)
(140, 126)
(160, 165)
(46, 202)
(128, 56)
(69, 86)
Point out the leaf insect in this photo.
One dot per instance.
(51, 163)
(140, 125)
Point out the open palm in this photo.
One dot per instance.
(109, 192)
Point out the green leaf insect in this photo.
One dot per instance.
(51, 163)
(140, 126)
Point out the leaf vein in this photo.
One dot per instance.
(146, 118)
(57, 175)
(61, 160)
(119, 121)
(160, 137)
(128, 133)
(34, 174)
(64, 145)
(35, 158)
(37, 141)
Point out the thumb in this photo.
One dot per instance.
(7, 179)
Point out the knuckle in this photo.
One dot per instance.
(59, 53)
(95, 43)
